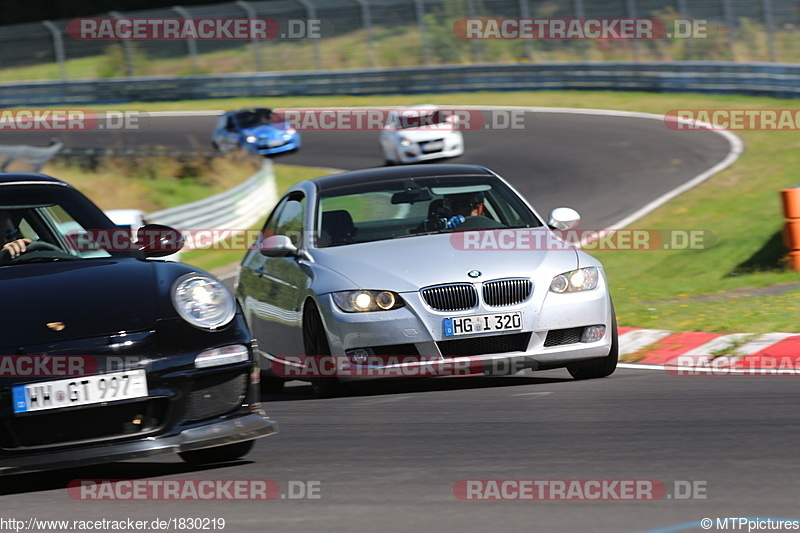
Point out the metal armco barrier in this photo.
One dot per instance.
(236, 209)
(27, 158)
(757, 79)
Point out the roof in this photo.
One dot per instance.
(249, 110)
(6, 179)
(372, 175)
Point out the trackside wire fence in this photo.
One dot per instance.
(357, 34)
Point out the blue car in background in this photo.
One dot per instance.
(256, 130)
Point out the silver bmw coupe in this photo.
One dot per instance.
(421, 271)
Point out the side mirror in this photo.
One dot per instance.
(156, 240)
(278, 246)
(563, 218)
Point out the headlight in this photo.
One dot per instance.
(583, 279)
(362, 301)
(405, 141)
(203, 301)
(251, 138)
(291, 131)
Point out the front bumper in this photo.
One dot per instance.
(186, 408)
(410, 341)
(453, 147)
(290, 146)
(235, 429)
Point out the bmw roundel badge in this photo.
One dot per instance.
(474, 273)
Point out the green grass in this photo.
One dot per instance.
(741, 206)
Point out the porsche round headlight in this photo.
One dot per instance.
(203, 301)
(251, 138)
(404, 141)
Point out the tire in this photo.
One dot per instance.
(215, 146)
(218, 454)
(316, 345)
(271, 384)
(389, 162)
(603, 367)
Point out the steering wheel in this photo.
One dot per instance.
(34, 251)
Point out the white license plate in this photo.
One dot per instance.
(469, 325)
(433, 146)
(275, 144)
(80, 391)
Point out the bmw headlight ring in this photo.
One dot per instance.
(203, 301)
(582, 279)
(362, 301)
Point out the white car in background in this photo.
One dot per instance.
(134, 219)
(420, 133)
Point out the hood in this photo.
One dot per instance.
(405, 265)
(92, 298)
(264, 131)
(424, 134)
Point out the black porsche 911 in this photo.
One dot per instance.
(107, 353)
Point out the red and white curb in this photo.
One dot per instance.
(761, 354)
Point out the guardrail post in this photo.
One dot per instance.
(577, 7)
(525, 13)
(127, 49)
(631, 8)
(683, 12)
(426, 46)
(251, 14)
(366, 19)
(311, 14)
(58, 47)
(477, 53)
(769, 24)
(191, 44)
(727, 11)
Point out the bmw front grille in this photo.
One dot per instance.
(453, 297)
(506, 291)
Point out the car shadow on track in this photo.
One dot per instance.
(61, 479)
(298, 390)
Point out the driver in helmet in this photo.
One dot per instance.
(463, 205)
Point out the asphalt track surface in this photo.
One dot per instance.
(388, 456)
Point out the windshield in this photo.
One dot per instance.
(431, 120)
(421, 206)
(251, 119)
(57, 223)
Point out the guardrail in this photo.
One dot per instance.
(235, 209)
(27, 158)
(757, 79)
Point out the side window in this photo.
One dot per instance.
(271, 226)
(290, 219)
(229, 125)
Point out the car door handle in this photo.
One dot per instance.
(259, 272)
